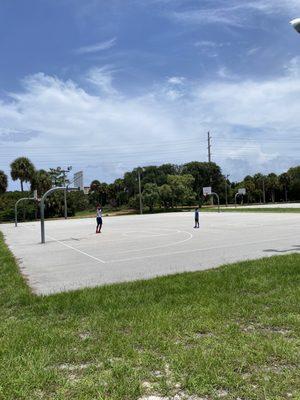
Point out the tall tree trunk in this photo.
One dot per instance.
(285, 190)
(21, 185)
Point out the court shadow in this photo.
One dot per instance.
(294, 248)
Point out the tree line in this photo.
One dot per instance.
(166, 186)
(23, 169)
(171, 186)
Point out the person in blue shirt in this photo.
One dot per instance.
(196, 218)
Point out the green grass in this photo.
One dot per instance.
(226, 333)
(92, 213)
(253, 209)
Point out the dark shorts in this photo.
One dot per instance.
(99, 220)
(196, 219)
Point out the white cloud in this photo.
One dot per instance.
(224, 73)
(253, 122)
(176, 80)
(207, 16)
(102, 77)
(208, 44)
(235, 13)
(270, 105)
(253, 51)
(276, 6)
(293, 67)
(94, 48)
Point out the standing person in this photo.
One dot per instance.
(99, 219)
(196, 218)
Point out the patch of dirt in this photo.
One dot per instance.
(175, 387)
(158, 374)
(222, 393)
(147, 385)
(259, 328)
(278, 368)
(200, 335)
(73, 378)
(115, 360)
(275, 329)
(85, 335)
(179, 396)
(76, 367)
(39, 393)
(167, 372)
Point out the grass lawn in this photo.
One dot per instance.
(227, 333)
(92, 213)
(253, 209)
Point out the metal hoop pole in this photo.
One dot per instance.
(217, 196)
(42, 209)
(235, 197)
(16, 207)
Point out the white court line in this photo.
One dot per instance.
(143, 234)
(202, 249)
(161, 246)
(79, 251)
(172, 253)
(127, 251)
(72, 248)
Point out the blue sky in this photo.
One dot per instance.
(107, 85)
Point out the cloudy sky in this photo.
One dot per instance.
(105, 86)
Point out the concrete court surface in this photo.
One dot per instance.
(141, 247)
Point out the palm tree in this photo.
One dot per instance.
(272, 185)
(41, 182)
(23, 169)
(259, 181)
(95, 186)
(3, 182)
(284, 180)
(249, 185)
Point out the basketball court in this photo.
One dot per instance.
(142, 247)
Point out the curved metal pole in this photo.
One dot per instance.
(65, 204)
(217, 196)
(42, 208)
(235, 197)
(16, 207)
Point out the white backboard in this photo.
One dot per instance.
(206, 190)
(78, 180)
(242, 191)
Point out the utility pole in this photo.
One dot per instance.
(140, 190)
(209, 160)
(64, 171)
(209, 146)
(285, 191)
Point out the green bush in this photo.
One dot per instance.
(29, 210)
(26, 211)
